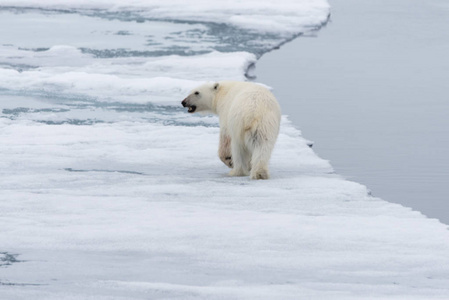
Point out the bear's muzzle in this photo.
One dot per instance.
(192, 108)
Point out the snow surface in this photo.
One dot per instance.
(110, 190)
(280, 17)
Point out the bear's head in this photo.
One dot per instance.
(200, 99)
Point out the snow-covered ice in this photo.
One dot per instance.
(110, 190)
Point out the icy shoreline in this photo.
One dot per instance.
(110, 190)
(179, 226)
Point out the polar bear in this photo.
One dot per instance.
(249, 117)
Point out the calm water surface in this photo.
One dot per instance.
(372, 91)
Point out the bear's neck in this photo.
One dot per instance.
(216, 104)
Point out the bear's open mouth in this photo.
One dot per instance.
(192, 109)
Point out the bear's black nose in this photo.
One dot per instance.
(183, 103)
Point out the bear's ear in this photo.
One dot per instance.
(216, 84)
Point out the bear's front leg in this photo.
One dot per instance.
(224, 149)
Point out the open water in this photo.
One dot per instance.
(371, 89)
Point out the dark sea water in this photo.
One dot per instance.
(372, 91)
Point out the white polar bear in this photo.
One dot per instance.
(249, 123)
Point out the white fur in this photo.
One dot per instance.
(249, 123)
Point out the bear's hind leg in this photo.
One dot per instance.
(259, 161)
(240, 160)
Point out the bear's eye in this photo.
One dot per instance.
(197, 93)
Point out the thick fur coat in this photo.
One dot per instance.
(249, 117)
